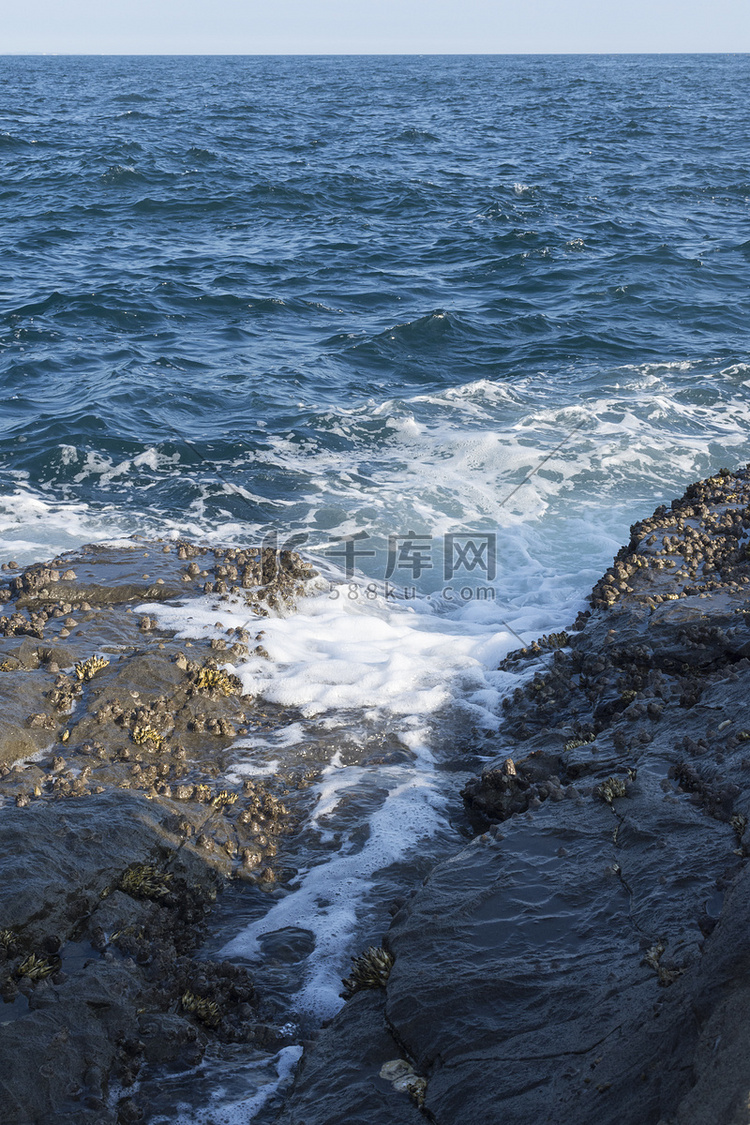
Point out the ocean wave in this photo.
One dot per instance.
(135, 115)
(10, 140)
(416, 135)
(120, 174)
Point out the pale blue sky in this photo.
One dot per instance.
(369, 27)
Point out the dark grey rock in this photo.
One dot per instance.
(103, 892)
(338, 1081)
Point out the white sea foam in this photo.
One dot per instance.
(34, 527)
(340, 653)
(520, 456)
(228, 1107)
(97, 464)
(478, 455)
(402, 664)
(330, 899)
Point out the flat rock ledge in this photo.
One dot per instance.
(115, 837)
(586, 958)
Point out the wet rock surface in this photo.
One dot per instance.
(338, 1085)
(115, 838)
(585, 958)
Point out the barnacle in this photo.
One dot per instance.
(544, 644)
(37, 968)
(554, 640)
(202, 792)
(211, 679)
(147, 736)
(403, 1078)
(207, 1011)
(8, 941)
(394, 1069)
(370, 970)
(87, 669)
(574, 743)
(222, 798)
(652, 958)
(416, 1089)
(610, 789)
(143, 880)
(739, 824)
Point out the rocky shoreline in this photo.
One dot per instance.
(115, 838)
(583, 959)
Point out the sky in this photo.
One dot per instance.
(252, 27)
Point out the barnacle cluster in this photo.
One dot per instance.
(416, 1089)
(554, 640)
(739, 824)
(8, 941)
(211, 679)
(652, 958)
(87, 669)
(147, 736)
(610, 789)
(574, 743)
(370, 970)
(207, 1011)
(403, 1078)
(37, 968)
(143, 880)
(222, 798)
(547, 643)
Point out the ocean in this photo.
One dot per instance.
(447, 325)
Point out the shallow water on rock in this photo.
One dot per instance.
(370, 829)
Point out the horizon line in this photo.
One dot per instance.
(352, 54)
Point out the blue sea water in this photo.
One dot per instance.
(499, 297)
(331, 295)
